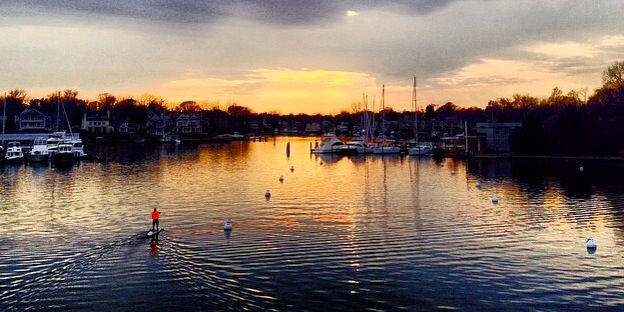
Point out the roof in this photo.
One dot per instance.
(31, 111)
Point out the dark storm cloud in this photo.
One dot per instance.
(288, 12)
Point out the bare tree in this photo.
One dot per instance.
(613, 77)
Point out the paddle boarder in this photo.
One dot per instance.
(155, 216)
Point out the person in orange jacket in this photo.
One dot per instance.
(155, 217)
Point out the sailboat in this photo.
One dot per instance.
(359, 144)
(70, 148)
(419, 148)
(384, 147)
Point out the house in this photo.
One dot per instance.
(155, 124)
(313, 127)
(188, 123)
(497, 134)
(128, 128)
(96, 122)
(31, 119)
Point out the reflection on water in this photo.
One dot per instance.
(339, 233)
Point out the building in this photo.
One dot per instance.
(155, 124)
(31, 119)
(188, 123)
(497, 135)
(129, 128)
(313, 127)
(96, 122)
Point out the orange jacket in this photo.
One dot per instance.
(155, 215)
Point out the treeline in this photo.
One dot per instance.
(572, 123)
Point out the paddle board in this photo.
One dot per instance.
(151, 233)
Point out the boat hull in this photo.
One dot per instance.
(386, 150)
(13, 159)
(62, 157)
(38, 157)
(416, 152)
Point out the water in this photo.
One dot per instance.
(340, 233)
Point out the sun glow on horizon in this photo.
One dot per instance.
(287, 90)
(352, 13)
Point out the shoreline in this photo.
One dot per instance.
(549, 157)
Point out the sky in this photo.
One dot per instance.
(304, 56)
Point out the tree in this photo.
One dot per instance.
(106, 100)
(239, 110)
(430, 111)
(447, 110)
(613, 77)
(17, 96)
(189, 107)
(152, 102)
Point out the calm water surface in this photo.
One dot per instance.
(340, 233)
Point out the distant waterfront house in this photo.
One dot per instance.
(129, 128)
(313, 127)
(497, 134)
(188, 123)
(155, 124)
(31, 119)
(254, 125)
(96, 122)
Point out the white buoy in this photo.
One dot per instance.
(292, 168)
(478, 184)
(495, 199)
(267, 195)
(591, 243)
(281, 178)
(581, 168)
(228, 225)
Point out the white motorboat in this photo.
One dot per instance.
(359, 146)
(329, 144)
(14, 152)
(77, 148)
(421, 149)
(64, 153)
(39, 152)
(385, 148)
(53, 141)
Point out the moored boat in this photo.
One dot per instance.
(329, 144)
(14, 153)
(421, 149)
(63, 154)
(39, 152)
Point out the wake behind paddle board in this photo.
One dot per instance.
(151, 233)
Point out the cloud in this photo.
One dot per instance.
(292, 12)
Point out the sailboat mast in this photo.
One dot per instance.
(58, 110)
(67, 119)
(415, 103)
(366, 120)
(363, 121)
(3, 118)
(373, 121)
(383, 113)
